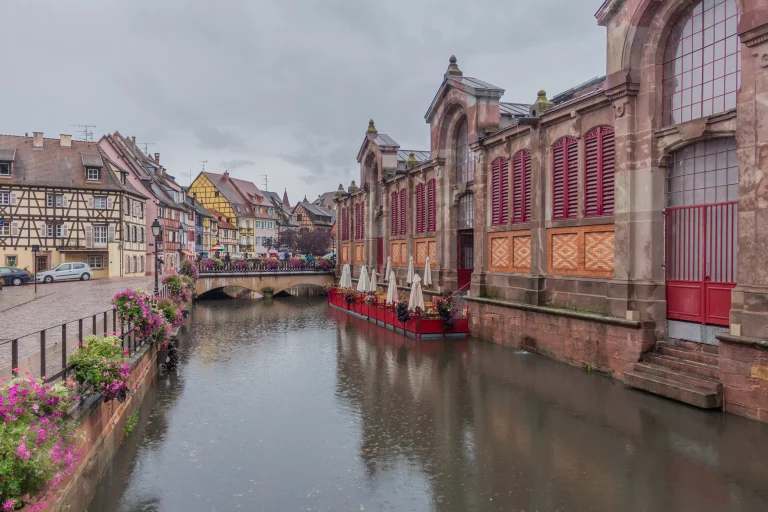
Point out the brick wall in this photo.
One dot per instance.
(744, 373)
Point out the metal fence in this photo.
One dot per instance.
(46, 353)
(251, 266)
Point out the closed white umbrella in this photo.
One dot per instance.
(389, 268)
(392, 289)
(362, 282)
(410, 270)
(416, 300)
(372, 284)
(427, 274)
(346, 277)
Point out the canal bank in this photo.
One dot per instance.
(283, 405)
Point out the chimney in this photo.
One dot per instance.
(37, 139)
(226, 175)
(133, 141)
(65, 140)
(157, 157)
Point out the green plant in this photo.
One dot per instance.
(401, 309)
(130, 423)
(267, 290)
(100, 365)
(170, 312)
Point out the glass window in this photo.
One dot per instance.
(49, 230)
(466, 211)
(100, 203)
(99, 235)
(5, 198)
(93, 174)
(465, 162)
(703, 173)
(64, 266)
(5, 169)
(11, 261)
(702, 64)
(59, 230)
(5, 230)
(96, 262)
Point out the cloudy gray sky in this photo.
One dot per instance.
(283, 87)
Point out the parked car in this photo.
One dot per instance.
(66, 271)
(14, 276)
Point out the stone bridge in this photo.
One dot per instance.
(258, 280)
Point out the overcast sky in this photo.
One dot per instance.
(281, 87)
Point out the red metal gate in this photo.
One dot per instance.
(466, 258)
(700, 262)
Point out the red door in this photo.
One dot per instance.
(700, 262)
(380, 254)
(466, 258)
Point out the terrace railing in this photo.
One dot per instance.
(256, 266)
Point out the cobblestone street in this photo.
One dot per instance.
(22, 312)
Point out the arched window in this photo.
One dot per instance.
(465, 163)
(420, 213)
(703, 173)
(521, 186)
(431, 206)
(599, 165)
(466, 217)
(702, 65)
(565, 178)
(403, 225)
(500, 191)
(394, 215)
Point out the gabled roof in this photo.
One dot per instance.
(229, 190)
(382, 140)
(114, 169)
(326, 200)
(54, 165)
(472, 86)
(320, 216)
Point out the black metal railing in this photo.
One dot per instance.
(257, 266)
(45, 353)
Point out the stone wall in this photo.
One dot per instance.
(744, 372)
(606, 344)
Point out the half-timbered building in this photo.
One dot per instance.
(592, 224)
(62, 201)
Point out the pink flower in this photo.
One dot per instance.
(22, 451)
(9, 505)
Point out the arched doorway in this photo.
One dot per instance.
(701, 231)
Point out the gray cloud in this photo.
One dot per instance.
(233, 165)
(289, 86)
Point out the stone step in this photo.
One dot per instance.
(689, 379)
(675, 363)
(692, 345)
(679, 391)
(687, 355)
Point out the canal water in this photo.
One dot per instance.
(284, 405)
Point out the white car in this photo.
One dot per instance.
(66, 271)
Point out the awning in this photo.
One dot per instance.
(186, 253)
(216, 248)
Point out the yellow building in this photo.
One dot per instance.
(63, 198)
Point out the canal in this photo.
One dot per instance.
(283, 405)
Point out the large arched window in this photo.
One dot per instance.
(465, 163)
(702, 65)
(706, 172)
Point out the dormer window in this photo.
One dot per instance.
(5, 168)
(93, 174)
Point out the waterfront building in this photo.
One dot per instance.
(72, 204)
(312, 217)
(225, 239)
(591, 224)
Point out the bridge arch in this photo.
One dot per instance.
(278, 282)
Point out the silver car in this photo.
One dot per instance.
(66, 271)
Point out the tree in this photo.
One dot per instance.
(314, 242)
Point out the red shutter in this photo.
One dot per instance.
(403, 226)
(504, 195)
(521, 187)
(431, 210)
(592, 173)
(362, 221)
(393, 206)
(609, 166)
(357, 221)
(565, 178)
(495, 191)
(420, 208)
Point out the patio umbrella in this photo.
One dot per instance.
(362, 282)
(389, 268)
(392, 289)
(427, 274)
(346, 277)
(416, 300)
(372, 284)
(410, 271)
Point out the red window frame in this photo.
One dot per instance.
(521, 186)
(420, 225)
(565, 178)
(599, 170)
(500, 191)
(394, 215)
(431, 206)
(403, 223)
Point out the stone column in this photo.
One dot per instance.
(539, 184)
(480, 221)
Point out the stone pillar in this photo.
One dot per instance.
(539, 187)
(480, 221)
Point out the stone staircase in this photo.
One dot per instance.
(681, 373)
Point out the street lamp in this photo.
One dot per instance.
(157, 232)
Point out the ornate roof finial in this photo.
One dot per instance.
(372, 128)
(352, 187)
(340, 191)
(453, 68)
(541, 105)
(411, 162)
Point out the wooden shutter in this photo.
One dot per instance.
(521, 187)
(88, 235)
(64, 231)
(565, 161)
(13, 198)
(362, 221)
(110, 202)
(420, 208)
(599, 168)
(357, 221)
(393, 214)
(431, 207)
(14, 229)
(608, 153)
(403, 226)
(90, 202)
(500, 191)
(111, 233)
(64, 201)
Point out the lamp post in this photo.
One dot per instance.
(157, 232)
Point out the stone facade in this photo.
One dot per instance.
(679, 159)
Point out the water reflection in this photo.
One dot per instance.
(283, 405)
